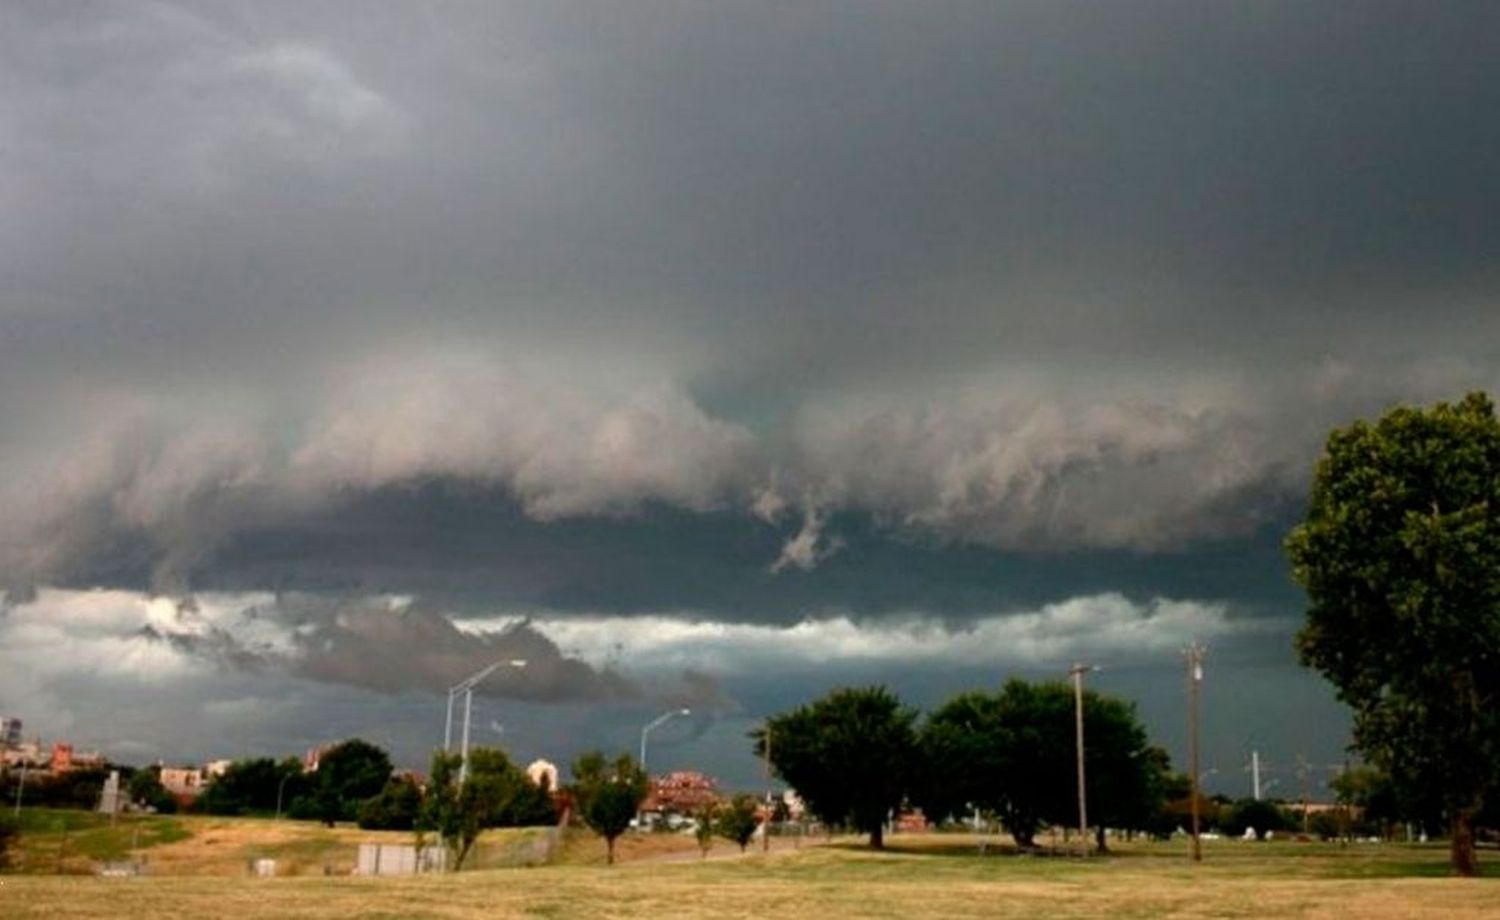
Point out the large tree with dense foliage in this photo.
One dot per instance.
(1014, 754)
(1400, 557)
(608, 794)
(850, 755)
(253, 786)
(348, 773)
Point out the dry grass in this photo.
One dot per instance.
(932, 876)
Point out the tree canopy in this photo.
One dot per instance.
(608, 794)
(497, 793)
(1400, 557)
(348, 773)
(849, 755)
(1013, 754)
(251, 786)
(738, 820)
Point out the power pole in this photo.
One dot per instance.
(1195, 680)
(765, 838)
(1077, 672)
(1303, 770)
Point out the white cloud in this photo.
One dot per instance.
(1098, 627)
(809, 547)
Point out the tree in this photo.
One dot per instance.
(496, 793)
(1014, 754)
(1377, 798)
(145, 789)
(608, 794)
(347, 775)
(708, 817)
(1400, 558)
(850, 756)
(739, 819)
(396, 808)
(1255, 815)
(252, 786)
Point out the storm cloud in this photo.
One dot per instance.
(745, 314)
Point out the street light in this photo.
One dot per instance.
(466, 687)
(281, 787)
(1077, 672)
(657, 723)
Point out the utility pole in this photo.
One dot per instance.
(1194, 654)
(1255, 774)
(765, 838)
(1303, 770)
(1077, 672)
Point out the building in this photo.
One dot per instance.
(27, 754)
(314, 756)
(684, 792)
(10, 732)
(543, 771)
(65, 759)
(184, 783)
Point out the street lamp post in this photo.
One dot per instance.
(1077, 672)
(466, 687)
(1195, 680)
(280, 787)
(654, 724)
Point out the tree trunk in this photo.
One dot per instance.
(609, 851)
(1461, 849)
(1099, 839)
(877, 837)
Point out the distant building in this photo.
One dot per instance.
(216, 768)
(542, 771)
(65, 759)
(684, 792)
(26, 754)
(10, 733)
(314, 756)
(912, 821)
(184, 783)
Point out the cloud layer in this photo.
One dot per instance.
(741, 316)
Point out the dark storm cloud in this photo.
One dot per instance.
(742, 312)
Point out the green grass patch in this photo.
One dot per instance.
(67, 840)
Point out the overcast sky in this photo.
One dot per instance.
(704, 354)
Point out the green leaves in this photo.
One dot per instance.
(850, 755)
(608, 794)
(1400, 557)
(1013, 754)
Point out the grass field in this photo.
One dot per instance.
(926, 875)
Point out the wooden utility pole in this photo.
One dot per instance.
(1195, 680)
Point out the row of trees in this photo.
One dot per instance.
(858, 755)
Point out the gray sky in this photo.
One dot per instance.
(705, 353)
